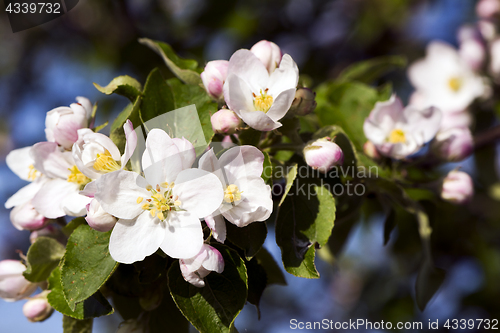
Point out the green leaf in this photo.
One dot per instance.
(72, 225)
(250, 136)
(157, 97)
(305, 218)
(43, 256)
(273, 271)
(214, 307)
(370, 70)
(184, 69)
(122, 85)
(186, 95)
(429, 279)
(72, 325)
(290, 178)
(167, 317)
(131, 112)
(87, 264)
(250, 238)
(100, 127)
(94, 306)
(267, 172)
(257, 282)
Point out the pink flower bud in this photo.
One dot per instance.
(38, 308)
(304, 102)
(13, 285)
(97, 218)
(371, 150)
(225, 121)
(213, 77)
(457, 187)
(323, 154)
(487, 9)
(472, 48)
(453, 144)
(195, 269)
(26, 217)
(269, 53)
(62, 123)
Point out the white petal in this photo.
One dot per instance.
(74, 204)
(133, 240)
(19, 161)
(50, 161)
(243, 161)
(183, 235)
(248, 67)
(238, 94)
(186, 151)
(281, 104)
(131, 142)
(217, 224)
(199, 191)
(285, 77)
(117, 192)
(422, 124)
(50, 200)
(214, 261)
(87, 105)
(259, 120)
(191, 277)
(161, 160)
(78, 158)
(210, 163)
(25, 193)
(89, 190)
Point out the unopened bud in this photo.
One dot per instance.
(13, 285)
(453, 144)
(38, 308)
(268, 53)
(213, 77)
(323, 154)
(97, 218)
(457, 187)
(225, 121)
(304, 102)
(26, 217)
(488, 9)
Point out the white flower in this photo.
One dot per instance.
(445, 80)
(323, 155)
(453, 144)
(257, 97)
(268, 53)
(195, 269)
(213, 77)
(13, 285)
(399, 132)
(62, 123)
(163, 209)
(96, 154)
(59, 194)
(247, 198)
(457, 187)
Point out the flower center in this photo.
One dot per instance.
(161, 201)
(232, 194)
(455, 83)
(105, 163)
(263, 102)
(33, 173)
(77, 177)
(397, 136)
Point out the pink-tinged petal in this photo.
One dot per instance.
(105, 142)
(25, 217)
(238, 94)
(217, 224)
(199, 191)
(247, 66)
(242, 162)
(50, 161)
(131, 142)
(191, 277)
(51, 198)
(98, 219)
(75, 204)
(210, 163)
(78, 158)
(133, 240)
(117, 192)
(161, 160)
(183, 235)
(259, 120)
(214, 261)
(25, 194)
(186, 151)
(87, 105)
(19, 161)
(194, 263)
(89, 189)
(422, 124)
(285, 77)
(281, 104)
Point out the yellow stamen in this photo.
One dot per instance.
(172, 184)
(160, 216)
(139, 200)
(164, 185)
(77, 177)
(105, 163)
(153, 212)
(32, 173)
(397, 136)
(455, 83)
(232, 194)
(149, 187)
(177, 203)
(263, 102)
(145, 206)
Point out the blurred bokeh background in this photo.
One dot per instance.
(49, 65)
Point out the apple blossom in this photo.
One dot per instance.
(98, 218)
(257, 97)
(247, 198)
(13, 285)
(21, 163)
(163, 209)
(195, 269)
(453, 144)
(487, 8)
(445, 80)
(26, 217)
(96, 154)
(268, 53)
(399, 132)
(225, 121)
(62, 123)
(457, 187)
(323, 155)
(472, 49)
(38, 308)
(213, 76)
